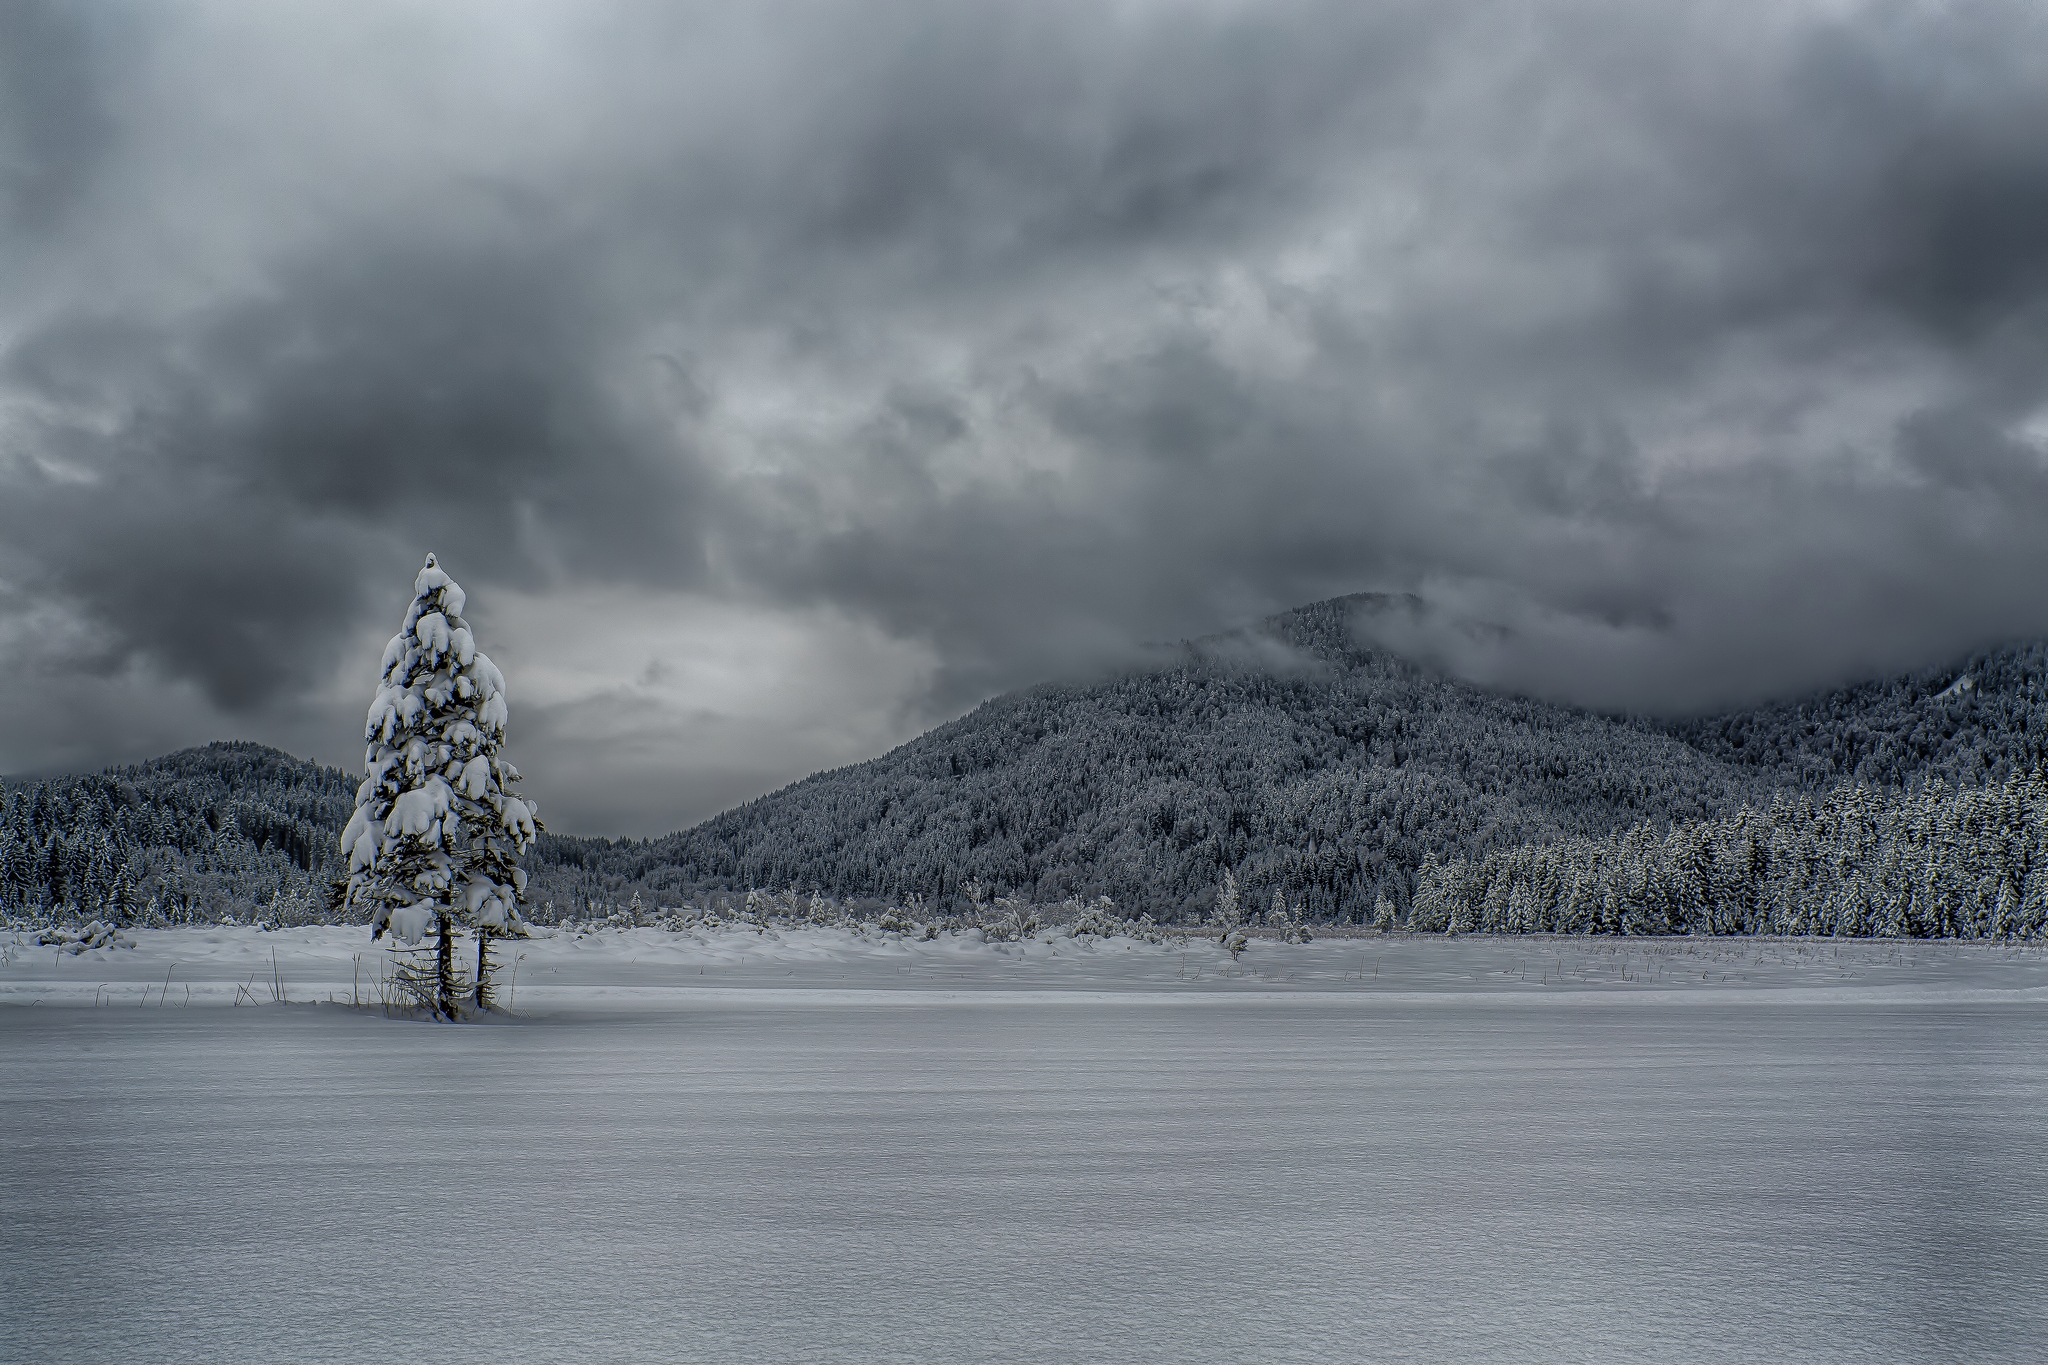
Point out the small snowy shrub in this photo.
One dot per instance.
(1288, 920)
(1018, 921)
(94, 935)
(1098, 918)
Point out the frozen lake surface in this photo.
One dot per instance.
(1086, 1154)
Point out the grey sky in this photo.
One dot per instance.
(779, 378)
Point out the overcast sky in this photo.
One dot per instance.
(781, 378)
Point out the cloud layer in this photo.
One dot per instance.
(781, 377)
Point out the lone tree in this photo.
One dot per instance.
(437, 830)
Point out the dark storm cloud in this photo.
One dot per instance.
(218, 493)
(54, 128)
(1675, 355)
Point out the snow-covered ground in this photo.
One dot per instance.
(659, 969)
(809, 1146)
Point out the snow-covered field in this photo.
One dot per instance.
(658, 969)
(808, 1145)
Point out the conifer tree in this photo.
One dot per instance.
(437, 830)
(1428, 911)
(1229, 911)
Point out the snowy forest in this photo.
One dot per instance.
(233, 830)
(1859, 862)
(1350, 784)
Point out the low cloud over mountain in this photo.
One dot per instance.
(780, 378)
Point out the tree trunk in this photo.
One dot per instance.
(483, 967)
(444, 965)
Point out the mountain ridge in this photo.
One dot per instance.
(1353, 822)
(1310, 765)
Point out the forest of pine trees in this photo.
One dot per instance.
(231, 830)
(1294, 759)
(1333, 777)
(1858, 862)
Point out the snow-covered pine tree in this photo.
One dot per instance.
(1229, 910)
(1429, 907)
(437, 830)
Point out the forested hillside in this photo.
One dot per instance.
(1981, 720)
(230, 829)
(1291, 755)
(1329, 775)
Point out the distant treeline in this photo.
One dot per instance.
(1305, 764)
(204, 833)
(1859, 862)
(230, 830)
